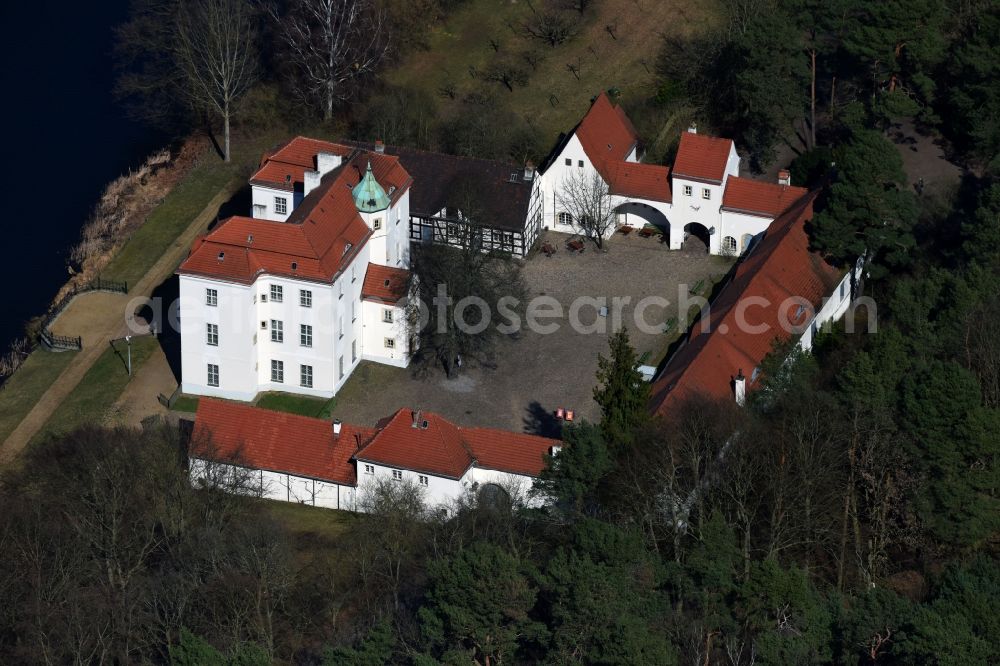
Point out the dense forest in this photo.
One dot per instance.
(849, 514)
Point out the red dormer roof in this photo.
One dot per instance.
(755, 197)
(275, 441)
(717, 347)
(385, 284)
(404, 441)
(285, 167)
(319, 239)
(634, 179)
(605, 132)
(702, 157)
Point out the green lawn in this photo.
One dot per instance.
(188, 198)
(304, 520)
(320, 408)
(100, 387)
(22, 390)
(169, 220)
(186, 403)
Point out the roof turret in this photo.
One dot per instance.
(369, 196)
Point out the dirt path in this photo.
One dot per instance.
(139, 399)
(106, 321)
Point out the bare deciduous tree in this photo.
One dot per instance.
(332, 43)
(216, 50)
(588, 199)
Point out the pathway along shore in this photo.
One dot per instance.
(113, 318)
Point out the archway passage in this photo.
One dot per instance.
(639, 215)
(696, 237)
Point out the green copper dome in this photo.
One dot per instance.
(369, 196)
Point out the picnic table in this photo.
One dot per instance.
(575, 246)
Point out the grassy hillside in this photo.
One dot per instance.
(483, 34)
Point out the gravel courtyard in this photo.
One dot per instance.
(536, 373)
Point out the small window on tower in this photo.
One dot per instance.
(377, 224)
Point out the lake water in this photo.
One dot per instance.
(66, 138)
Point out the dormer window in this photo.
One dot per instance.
(280, 205)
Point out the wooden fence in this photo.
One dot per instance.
(52, 341)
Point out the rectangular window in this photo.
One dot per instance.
(354, 311)
(687, 190)
(213, 335)
(305, 335)
(706, 193)
(278, 371)
(354, 351)
(280, 205)
(277, 331)
(390, 343)
(277, 293)
(397, 474)
(377, 224)
(305, 298)
(340, 325)
(213, 375)
(369, 469)
(387, 316)
(354, 273)
(569, 162)
(340, 368)
(306, 376)
(579, 163)
(423, 480)
(341, 294)
(211, 297)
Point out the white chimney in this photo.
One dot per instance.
(784, 177)
(740, 388)
(336, 427)
(379, 146)
(554, 450)
(529, 170)
(326, 162)
(693, 128)
(416, 418)
(312, 180)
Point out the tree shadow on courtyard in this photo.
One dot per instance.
(541, 421)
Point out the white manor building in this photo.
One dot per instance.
(703, 195)
(295, 297)
(293, 458)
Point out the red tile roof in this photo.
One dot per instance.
(385, 284)
(702, 157)
(285, 167)
(756, 197)
(303, 446)
(634, 179)
(275, 441)
(437, 449)
(605, 132)
(716, 349)
(319, 239)
(448, 450)
(517, 453)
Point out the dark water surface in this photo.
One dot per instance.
(64, 139)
